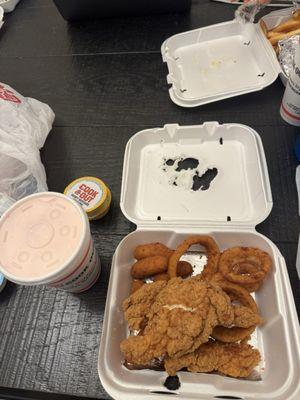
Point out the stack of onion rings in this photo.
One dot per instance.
(235, 334)
(245, 266)
(213, 255)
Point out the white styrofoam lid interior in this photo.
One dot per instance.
(226, 180)
(1, 16)
(217, 62)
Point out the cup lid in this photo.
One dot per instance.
(91, 193)
(39, 236)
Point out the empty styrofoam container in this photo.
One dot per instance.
(221, 61)
(1, 16)
(8, 5)
(227, 207)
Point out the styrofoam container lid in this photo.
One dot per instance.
(39, 236)
(209, 174)
(9, 5)
(1, 16)
(221, 61)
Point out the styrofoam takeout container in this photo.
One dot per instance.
(1, 17)
(238, 198)
(8, 5)
(221, 61)
(45, 239)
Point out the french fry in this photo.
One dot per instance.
(264, 27)
(276, 49)
(287, 26)
(272, 34)
(274, 40)
(296, 15)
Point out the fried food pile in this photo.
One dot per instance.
(200, 323)
(285, 30)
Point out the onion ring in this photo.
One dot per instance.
(247, 258)
(212, 256)
(252, 287)
(235, 334)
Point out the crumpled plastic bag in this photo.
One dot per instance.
(24, 127)
(247, 11)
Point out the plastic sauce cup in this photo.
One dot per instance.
(45, 239)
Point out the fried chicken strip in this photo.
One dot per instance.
(244, 317)
(233, 359)
(137, 305)
(179, 317)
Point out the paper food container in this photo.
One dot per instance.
(228, 207)
(221, 61)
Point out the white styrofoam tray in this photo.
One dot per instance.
(221, 61)
(8, 5)
(241, 190)
(1, 16)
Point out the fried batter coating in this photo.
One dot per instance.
(213, 254)
(137, 305)
(149, 266)
(179, 318)
(184, 269)
(136, 285)
(244, 317)
(234, 359)
(151, 249)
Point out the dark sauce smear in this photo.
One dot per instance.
(170, 162)
(156, 366)
(203, 182)
(172, 383)
(187, 163)
(199, 182)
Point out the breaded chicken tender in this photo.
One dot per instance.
(232, 359)
(176, 316)
(137, 305)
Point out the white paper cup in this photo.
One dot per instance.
(45, 239)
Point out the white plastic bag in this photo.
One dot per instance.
(248, 10)
(24, 127)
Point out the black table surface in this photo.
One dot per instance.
(105, 80)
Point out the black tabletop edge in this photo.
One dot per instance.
(20, 394)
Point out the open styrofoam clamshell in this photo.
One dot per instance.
(226, 206)
(1, 17)
(221, 61)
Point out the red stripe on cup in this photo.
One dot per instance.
(290, 114)
(73, 272)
